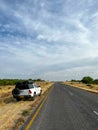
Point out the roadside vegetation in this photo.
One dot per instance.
(12, 113)
(87, 83)
(4, 82)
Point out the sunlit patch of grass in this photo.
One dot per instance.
(90, 86)
(2, 103)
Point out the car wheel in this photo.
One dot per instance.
(15, 91)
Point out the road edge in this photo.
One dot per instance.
(88, 90)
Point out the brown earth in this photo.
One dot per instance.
(13, 113)
(88, 87)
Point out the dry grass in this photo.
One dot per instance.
(5, 95)
(88, 87)
(13, 113)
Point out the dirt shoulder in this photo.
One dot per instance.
(88, 87)
(13, 113)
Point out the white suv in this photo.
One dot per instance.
(26, 89)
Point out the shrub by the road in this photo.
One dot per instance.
(87, 80)
(95, 81)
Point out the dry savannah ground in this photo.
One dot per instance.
(87, 87)
(13, 113)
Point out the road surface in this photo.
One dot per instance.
(68, 108)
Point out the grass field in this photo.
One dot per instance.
(13, 113)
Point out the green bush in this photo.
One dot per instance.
(9, 81)
(87, 80)
(95, 81)
(25, 112)
(4, 82)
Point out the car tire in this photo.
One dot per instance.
(15, 91)
(18, 98)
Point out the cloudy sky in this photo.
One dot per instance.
(48, 39)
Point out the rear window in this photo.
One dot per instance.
(22, 86)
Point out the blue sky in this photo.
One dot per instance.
(48, 39)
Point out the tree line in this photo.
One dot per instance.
(87, 80)
(14, 81)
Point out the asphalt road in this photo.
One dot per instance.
(68, 108)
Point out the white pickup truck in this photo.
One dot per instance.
(26, 89)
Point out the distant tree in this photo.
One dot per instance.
(87, 80)
(14, 81)
(39, 80)
(73, 80)
(30, 79)
(9, 81)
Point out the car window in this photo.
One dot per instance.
(30, 86)
(22, 86)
